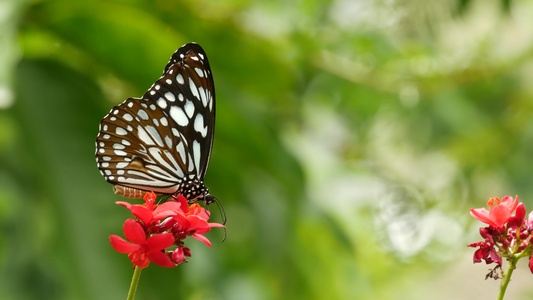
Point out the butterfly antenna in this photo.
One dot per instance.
(223, 214)
(165, 199)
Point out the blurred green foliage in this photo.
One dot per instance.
(352, 137)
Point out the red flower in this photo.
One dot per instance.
(149, 213)
(159, 227)
(192, 221)
(500, 211)
(142, 250)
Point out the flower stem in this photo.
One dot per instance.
(134, 283)
(507, 276)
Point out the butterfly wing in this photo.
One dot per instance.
(194, 94)
(164, 139)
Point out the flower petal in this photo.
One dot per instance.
(202, 238)
(160, 241)
(161, 259)
(125, 204)
(121, 245)
(481, 214)
(134, 232)
(509, 203)
(184, 204)
(196, 223)
(142, 213)
(166, 209)
(500, 215)
(211, 225)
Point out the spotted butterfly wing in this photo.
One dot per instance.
(162, 142)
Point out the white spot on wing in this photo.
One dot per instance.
(179, 79)
(143, 136)
(178, 116)
(121, 165)
(196, 153)
(170, 96)
(199, 72)
(120, 131)
(203, 97)
(128, 117)
(155, 135)
(162, 103)
(168, 141)
(141, 113)
(194, 89)
(120, 152)
(180, 148)
(189, 108)
(176, 132)
(199, 125)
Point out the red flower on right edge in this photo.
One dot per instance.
(158, 227)
(507, 235)
(500, 211)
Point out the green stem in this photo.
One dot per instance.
(507, 276)
(134, 283)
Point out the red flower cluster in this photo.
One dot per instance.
(158, 227)
(507, 235)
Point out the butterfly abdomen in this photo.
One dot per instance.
(128, 192)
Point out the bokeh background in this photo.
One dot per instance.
(351, 139)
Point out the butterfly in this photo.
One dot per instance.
(162, 142)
